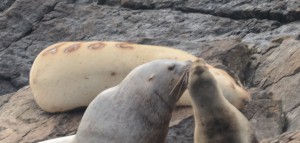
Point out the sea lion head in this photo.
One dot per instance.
(228, 84)
(163, 78)
(199, 75)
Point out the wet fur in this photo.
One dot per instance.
(216, 120)
(138, 109)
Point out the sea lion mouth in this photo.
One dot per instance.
(182, 83)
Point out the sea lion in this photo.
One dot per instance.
(216, 120)
(69, 75)
(137, 110)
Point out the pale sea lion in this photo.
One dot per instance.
(69, 75)
(216, 120)
(138, 110)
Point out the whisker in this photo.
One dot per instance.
(181, 82)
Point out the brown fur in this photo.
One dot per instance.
(216, 120)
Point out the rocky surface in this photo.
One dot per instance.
(264, 113)
(6, 4)
(278, 72)
(256, 39)
(29, 123)
(288, 137)
(29, 26)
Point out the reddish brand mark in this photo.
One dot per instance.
(96, 46)
(53, 50)
(125, 46)
(72, 48)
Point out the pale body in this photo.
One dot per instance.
(69, 75)
(216, 120)
(137, 110)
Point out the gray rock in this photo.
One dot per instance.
(278, 72)
(45, 23)
(253, 38)
(5, 4)
(265, 114)
(81, 1)
(283, 11)
(265, 41)
(182, 132)
(29, 123)
(288, 137)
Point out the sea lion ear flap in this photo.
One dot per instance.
(230, 72)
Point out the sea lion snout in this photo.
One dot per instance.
(182, 67)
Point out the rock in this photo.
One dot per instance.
(283, 11)
(182, 132)
(264, 41)
(288, 137)
(45, 23)
(236, 56)
(81, 1)
(151, 4)
(5, 4)
(265, 114)
(21, 120)
(15, 23)
(257, 40)
(278, 72)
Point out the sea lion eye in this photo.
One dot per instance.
(171, 67)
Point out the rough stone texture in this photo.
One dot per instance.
(45, 23)
(288, 137)
(29, 123)
(278, 72)
(261, 110)
(265, 114)
(5, 4)
(283, 11)
(182, 132)
(258, 40)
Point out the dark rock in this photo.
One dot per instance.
(81, 1)
(5, 4)
(21, 120)
(182, 132)
(45, 23)
(288, 137)
(265, 114)
(265, 41)
(283, 11)
(151, 4)
(278, 72)
(253, 39)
